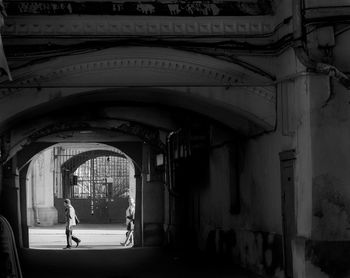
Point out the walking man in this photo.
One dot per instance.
(71, 220)
(130, 222)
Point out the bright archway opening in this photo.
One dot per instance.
(100, 182)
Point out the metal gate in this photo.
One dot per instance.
(97, 182)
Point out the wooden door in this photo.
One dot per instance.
(287, 162)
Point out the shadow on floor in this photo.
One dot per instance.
(123, 263)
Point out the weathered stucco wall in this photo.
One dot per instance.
(153, 200)
(331, 175)
(331, 160)
(328, 248)
(40, 197)
(253, 236)
(330, 243)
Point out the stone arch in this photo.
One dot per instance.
(43, 131)
(24, 156)
(150, 75)
(74, 162)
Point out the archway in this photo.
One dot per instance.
(45, 196)
(148, 75)
(246, 108)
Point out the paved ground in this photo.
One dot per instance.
(101, 256)
(93, 236)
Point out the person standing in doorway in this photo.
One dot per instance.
(130, 223)
(71, 221)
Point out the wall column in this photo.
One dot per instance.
(10, 199)
(153, 200)
(43, 195)
(24, 205)
(138, 209)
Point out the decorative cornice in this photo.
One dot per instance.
(136, 63)
(154, 8)
(104, 26)
(325, 13)
(201, 73)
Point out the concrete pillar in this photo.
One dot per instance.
(132, 181)
(138, 210)
(40, 181)
(10, 199)
(29, 196)
(1, 180)
(153, 213)
(149, 205)
(24, 210)
(153, 201)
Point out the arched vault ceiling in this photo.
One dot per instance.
(119, 61)
(200, 83)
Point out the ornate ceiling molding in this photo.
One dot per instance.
(105, 26)
(140, 74)
(200, 75)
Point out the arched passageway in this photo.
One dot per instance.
(185, 140)
(40, 179)
(235, 114)
(140, 74)
(98, 179)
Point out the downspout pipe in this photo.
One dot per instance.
(299, 37)
(169, 180)
(300, 48)
(170, 164)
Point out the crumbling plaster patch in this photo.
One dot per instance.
(313, 271)
(260, 252)
(328, 257)
(331, 209)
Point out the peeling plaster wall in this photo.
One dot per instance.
(331, 161)
(153, 201)
(314, 271)
(260, 185)
(327, 259)
(253, 237)
(40, 198)
(329, 249)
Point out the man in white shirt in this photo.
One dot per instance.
(130, 220)
(71, 220)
